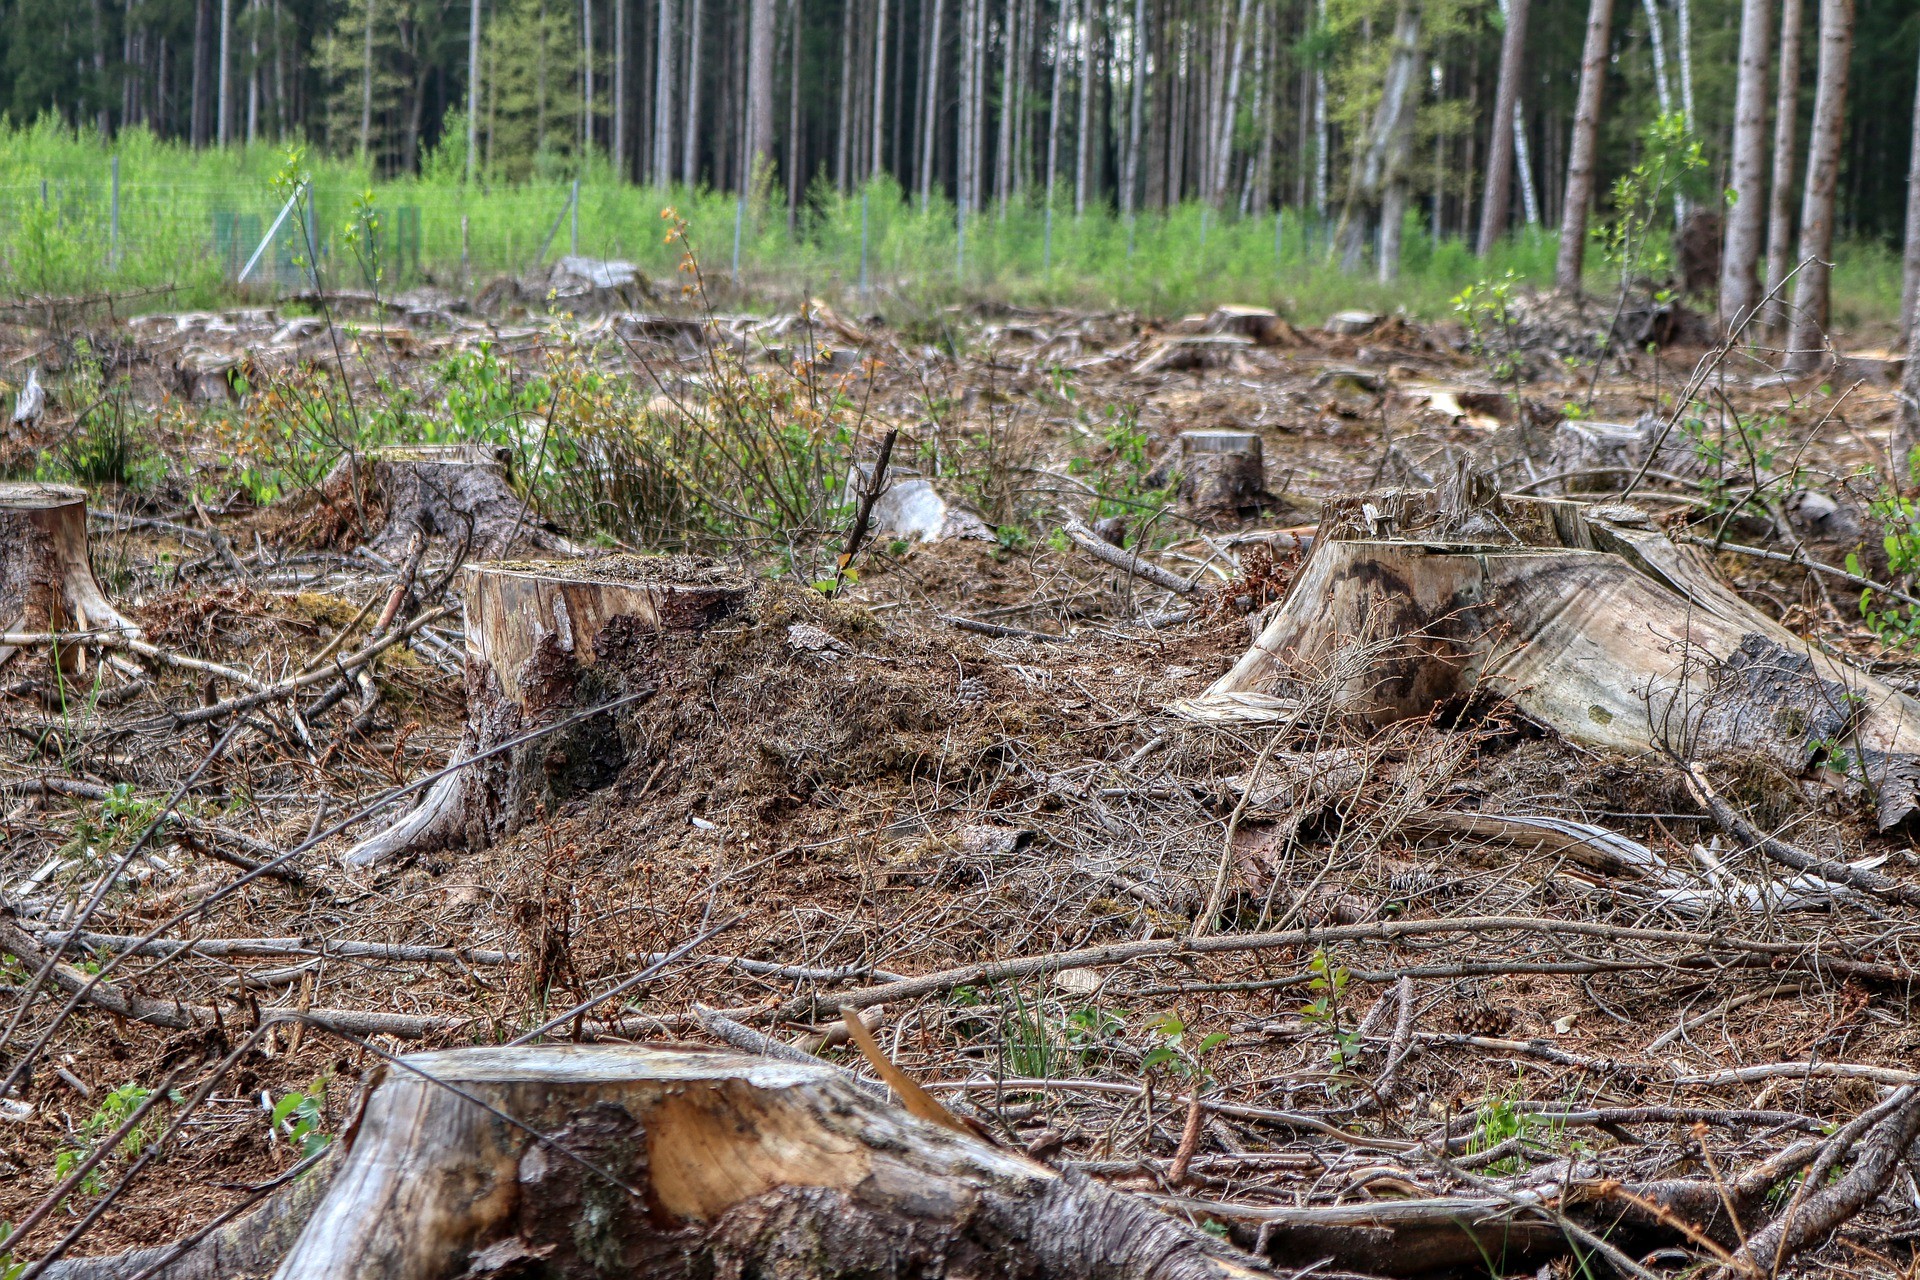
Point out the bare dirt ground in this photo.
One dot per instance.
(838, 792)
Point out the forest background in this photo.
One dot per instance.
(1163, 154)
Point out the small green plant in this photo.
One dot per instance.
(299, 1115)
(1329, 983)
(362, 234)
(1897, 625)
(1174, 1050)
(114, 1110)
(1633, 241)
(9, 1269)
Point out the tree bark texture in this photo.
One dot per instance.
(1498, 199)
(759, 88)
(1587, 620)
(1786, 115)
(1812, 293)
(1746, 222)
(1910, 284)
(1583, 153)
(46, 579)
(457, 492)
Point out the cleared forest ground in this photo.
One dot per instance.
(1255, 964)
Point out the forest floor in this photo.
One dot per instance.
(1318, 986)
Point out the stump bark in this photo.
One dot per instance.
(462, 493)
(1222, 471)
(1586, 619)
(545, 641)
(46, 578)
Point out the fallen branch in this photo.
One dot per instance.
(1125, 561)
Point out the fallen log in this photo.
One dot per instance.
(545, 640)
(46, 579)
(1587, 620)
(677, 1161)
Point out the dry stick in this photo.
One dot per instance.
(1211, 912)
(1799, 558)
(1125, 561)
(292, 685)
(366, 810)
(110, 639)
(280, 948)
(1189, 1140)
(1786, 854)
(867, 499)
(627, 985)
(1794, 954)
(1803, 1224)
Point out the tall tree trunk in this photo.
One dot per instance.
(1397, 109)
(929, 116)
(1907, 430)
(796, 55)
(690, 144)
(1497, 200)
(586, 76)
(1063, 18)
(617, 131)
(1581, 155)
(473, 87)
(663, 94)
(253, 71)
(1523, 161)
(1322, 134)
(843, 132)
(1806, 343)
(1683, 38)
(1786, 119)
(1229, 108)
(1003, 147)
(1657, 43)
(366, 84)
(877, 160)
(1136, 109)
(1739, 261)
(199, 109)
(224, 112)
(1266, 104)
(760, 88)
(1083, 142)
(1910, 290)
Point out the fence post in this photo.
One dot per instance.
(739, 217)
(1046, 242)
(863, 242)
(1279, 216)
(113, 215)
(466, 262)
(960, 242)
(573, 231)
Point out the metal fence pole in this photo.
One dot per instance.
(113, 214)
(739, 217)
(573, 232)
(863, 242)
(1279, 222)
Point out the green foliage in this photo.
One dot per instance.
(114, 1110)
(1486, 309)
(1897, 625)
(1175, 1050)
(1329, 983)
(1635, 241)
(299, 1115)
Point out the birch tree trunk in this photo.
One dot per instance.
(1581, 154)
(663, 94)
(1003, 153)
(1223, 143)
(963, 125)
(473, 88)
(1910, 291)
(1083, 143)
(1498, 194)
(759, 90)
(1322, 138)
(1740, 259)
(1061, 23)
(1807, 340)
(1657, 46)
(1907, 430)
(1786, 119)
(618, 141)
(690, 147)
(1683, 23)
(1403, 76)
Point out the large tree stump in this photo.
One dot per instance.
(1586, 618)
(1222, 472)
(46, 579)
(459, 492)
(685, 1162)
(544, 642)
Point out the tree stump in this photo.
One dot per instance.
(679, 1161)
(459, 492)
(46, 579)
(545, 641)
(1222, 471)
(1585, 618)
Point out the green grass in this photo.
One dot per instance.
(189, 219)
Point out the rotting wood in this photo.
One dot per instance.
(544, 640)
(1587, 619)
(46, 579)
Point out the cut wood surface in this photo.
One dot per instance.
(462, 493)
(1588, 620)
(546, 640)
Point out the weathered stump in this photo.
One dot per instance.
(1586, 619)
(546, 641)
(460, 492)
(1222, 472)
(679, 1161)
(46, 579)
